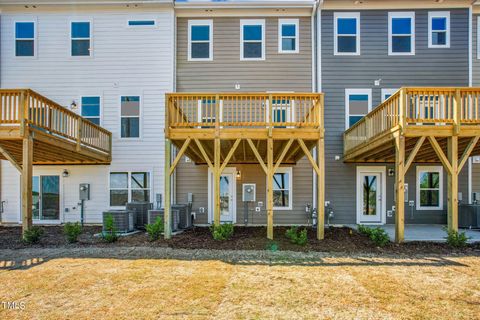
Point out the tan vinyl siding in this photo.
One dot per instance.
(279, 71)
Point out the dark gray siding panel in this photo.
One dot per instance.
(475, 60)
(429, 67)
(279, 72)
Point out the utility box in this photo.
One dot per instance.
(84, 191)
(249, 192)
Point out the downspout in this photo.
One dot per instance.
(470, 84)
(315, 53)
(173, 180)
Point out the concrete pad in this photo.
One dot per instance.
(428, 232)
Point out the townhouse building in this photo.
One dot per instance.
(253, 94)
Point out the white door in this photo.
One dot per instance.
(370, 199)
(227, 196)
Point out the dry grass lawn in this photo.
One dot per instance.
(329, 287)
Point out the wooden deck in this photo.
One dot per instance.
(269, 129)
(59, 135)
(420, 125)
(35, 131)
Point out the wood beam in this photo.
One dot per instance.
(466, 154)
(282, 155)
(321, 189)
(399, 188)
(230, 154)
(204, 154)
(413, 153)
(452, 184)
(309, 156)
(10, 158)
(216, 182)
(257, 155)
(166, 214)
(270, 174)
(440, 154)
(27, 169)
(179, 155)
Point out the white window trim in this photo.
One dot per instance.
(90, 39)
(383, 189)
(439, 14)
(252, 22)
(192, 23)
(410, 15)
(100, 101)
(281, 22)
(337, 15)
(349, 92)
(199, 112)
(35, 37)
(129, 186)
(288, 170)
(227, 170)
(141, 26)
(438, 169)
(387, 91)
(478, 37)
(140, 116)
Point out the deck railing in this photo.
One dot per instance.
(244, 110)
(27, 108)
(417, 107)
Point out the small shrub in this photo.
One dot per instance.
(456, 239)
(32, 235)
(155, 229)
(296, 236)
(377, 235)
(272, 246)
(110, 233)
(222, 232)
(72, 231)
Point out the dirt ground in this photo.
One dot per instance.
(342, 240)
(164, 283)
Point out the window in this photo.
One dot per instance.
(439, 29)
(206, 112)
(91, 109)
(347, 33)
(429, 188)
(129, 187)
(25, 39)
(282, 189)
(139, 23)
(387, 93)
(130, 116)
(401, 33)
(200, 40)
(252, 39)
(283, 110)
(80, 39)
(288, 36)
(358, 103)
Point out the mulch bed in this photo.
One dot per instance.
(344, 240)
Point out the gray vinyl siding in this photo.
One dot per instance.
(428, 67)
(279, 72)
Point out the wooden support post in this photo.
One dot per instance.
(27, 163)
(166, 215)
(216, 183)
(270, 188)
(320, 190)
(452, 183)
(399, 188)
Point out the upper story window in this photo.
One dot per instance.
(358, 103)
(387, 93)
(130, 116)
(347, 33)
(200, 40)
(288, 35)
(429, 188)
(91, 109)
(401, 33)
(25, 39)
(139, 23)
(438, 29)
(252, 39)
(80, 39)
